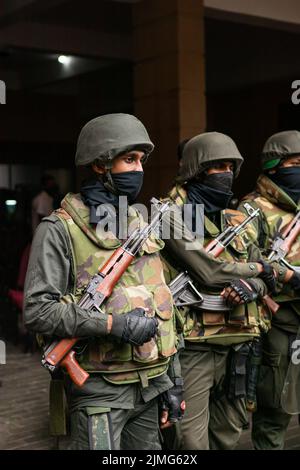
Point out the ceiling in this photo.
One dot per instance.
(33, 33)
(97, 34)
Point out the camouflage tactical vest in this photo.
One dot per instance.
(277, 211)
(142, 285)
(238, 325)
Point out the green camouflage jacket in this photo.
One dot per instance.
(142, 285)
(277, 210)
(241, 323)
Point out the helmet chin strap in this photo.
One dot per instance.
(106, 177)
(109, 183)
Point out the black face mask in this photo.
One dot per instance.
(219, 181)
(95, 193)
(214, 191)
(128, 184)
(288, 179)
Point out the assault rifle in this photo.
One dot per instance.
(284, 241)
(183, 289)
(60, 353)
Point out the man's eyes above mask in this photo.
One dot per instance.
(222, 166)
(134, 158)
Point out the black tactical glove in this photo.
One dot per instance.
(134, 327)
(173, 402)
(268, 276)
(246, 290)
(295, 281)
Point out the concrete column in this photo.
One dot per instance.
(169, 81)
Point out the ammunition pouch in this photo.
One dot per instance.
(253, 367)
(236, 379)
(100, 429)
(58, 410)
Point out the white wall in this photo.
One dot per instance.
(280, 10)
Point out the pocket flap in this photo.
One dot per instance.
(96, 410)
(163, 302)
(271, 359)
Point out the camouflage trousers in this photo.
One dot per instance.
(96, 428)
(211, 421)
(270, 422)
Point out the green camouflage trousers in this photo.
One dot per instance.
(211, 421)
(98, 428)
(270, 422)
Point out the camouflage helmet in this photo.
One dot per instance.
(281, 145)
(204, 149)
(107, 136)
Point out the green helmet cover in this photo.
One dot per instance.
(205, 148)
(281, 145)
(107, 136)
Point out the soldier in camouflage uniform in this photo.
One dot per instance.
(277, 194)
(215, 341)
(128, 352)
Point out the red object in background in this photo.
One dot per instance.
(15, 295)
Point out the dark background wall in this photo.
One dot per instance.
(249, 71)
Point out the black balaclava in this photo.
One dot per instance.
(288, 179)
(214, 191)
(128, 184)
(94, 192)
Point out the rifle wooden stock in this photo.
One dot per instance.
(60, 350)
(270, 303)
(78, 375)
(214, 248)
(289, 235)
(293, 225)
(61, 354)
(113, 269)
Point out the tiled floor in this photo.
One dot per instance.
(24, 406)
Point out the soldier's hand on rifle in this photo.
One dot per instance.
(295, 281)
(172, 405)
(134, 327)
(268, 275)
(240, 292)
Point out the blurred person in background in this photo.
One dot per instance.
(45, 202)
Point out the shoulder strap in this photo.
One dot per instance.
(63, 216)
(263, 227)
